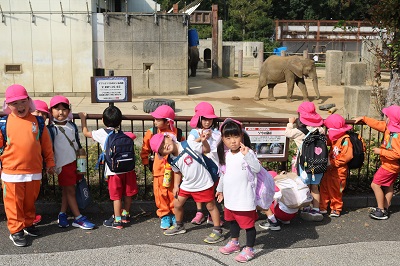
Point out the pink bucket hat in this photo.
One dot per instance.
(58, 99)
(337, 126)
(14, 93)
(165, 112)
(393, 113)
(155, 141)
(204, 109)
(308, 115)
(41, 106)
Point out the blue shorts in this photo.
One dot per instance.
(310, 179)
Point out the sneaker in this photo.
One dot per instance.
(111, 223)
(126, 219)
(175, 230)
(210, 221)
(246, 255)
(165, 222)
(323, 211)
(230, 248)
(268, 224)
(83, 223)
(214, 237)
(18, 239)
(198, 219)
(63, 220)
(284, 222)
(37, 220)
(334, 213)
(311, 215)
(378, 214)
(173, 219)
(31, 231)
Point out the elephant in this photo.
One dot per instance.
(290, 69)
(193, 56)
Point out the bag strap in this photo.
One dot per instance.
(187, 149)
(62, 130)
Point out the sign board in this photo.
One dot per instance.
(269, 142)
(111, 89)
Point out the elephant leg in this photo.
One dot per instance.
(302, 85)
(193, 68)
(271, 92)
(290, 88)
(261, 84)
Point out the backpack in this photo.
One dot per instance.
(208, 163)
(3, 127)
(295, 193)
(118, 153)
(53, 129)
(358, 150)
(313, 157)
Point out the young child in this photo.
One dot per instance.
(389, 153)
(204, 122)
(196, 183)
(22, 163)
(236, 187)
(65, 147)
(340, 153)
(309, 121)
(120, 185)
(164, 122)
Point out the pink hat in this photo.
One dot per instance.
(155, 141)
(165, 112)
(131, 135)
(337, 126)
(308, 115)
(16, 92)
(204, 109)
(273, 173)
(393, 113)
(41, 106)
(58, 99)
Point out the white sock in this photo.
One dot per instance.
(272, 218)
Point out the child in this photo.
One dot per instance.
(340, 153)
(120, 185)
(278, 212)
(308, 121)
(197, 182)
(164, 122)
(236, 187)
(22, 163)
(389, 153)
(204, 121)
(65, 148)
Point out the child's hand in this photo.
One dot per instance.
(292, 120)
(220, 196)
(82, 115)
(207, 132)
(175, 192)
(243, 149)
(358, 119)
(203, 136)
(51, 170)
(376, 150)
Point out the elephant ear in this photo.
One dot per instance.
(296, 66)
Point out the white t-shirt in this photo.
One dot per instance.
(64, 153)
(213, 141)
(195, 176)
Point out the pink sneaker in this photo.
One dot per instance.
(38, 219)
(198, 219)
(246, 255)
(230, 248)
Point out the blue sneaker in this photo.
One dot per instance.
(63, 220)
(83, 223)
(173, 219)
(165, 222)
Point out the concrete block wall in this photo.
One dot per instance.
(355, 74)
(356, 101)
(333, 68)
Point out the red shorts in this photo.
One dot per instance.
(245, 219)
(68, 176)
(198, 196)
(384, 178)
(281, 215)
(122, 185)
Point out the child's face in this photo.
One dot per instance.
(19, 108)
(161, 124)
(232, 142)
(206, 122)
(39, 113)
(59, 112)
(168, 146)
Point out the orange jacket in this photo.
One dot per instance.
(158, 166)
(25, 152)
(390, 146)
(340, 155)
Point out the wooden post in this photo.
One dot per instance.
(240, 63)
(214, 55)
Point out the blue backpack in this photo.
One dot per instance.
(3, 126)
(208, 163)
(119, 153)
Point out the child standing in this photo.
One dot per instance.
(25, 148)
(196, 183)
(204, 122)
(236, 188)
(340, 153)
(120, 185)
(65, 144)
(309, 121)
(389, 153)
(164, 117)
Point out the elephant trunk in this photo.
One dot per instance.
(315, 84)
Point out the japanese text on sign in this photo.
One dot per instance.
(111, 89)
(268, 142)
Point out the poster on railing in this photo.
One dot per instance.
(269, 142)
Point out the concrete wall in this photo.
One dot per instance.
(55, 57)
